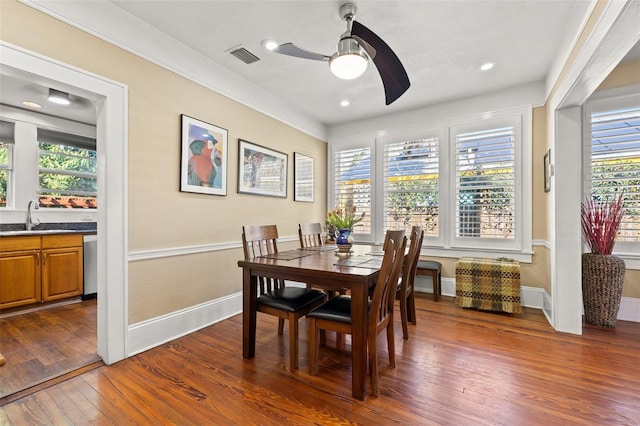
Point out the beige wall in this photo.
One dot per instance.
(160, 216)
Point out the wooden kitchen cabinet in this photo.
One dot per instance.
(40, 269)
(20, 271)
(61, 266)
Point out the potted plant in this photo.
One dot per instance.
(341, 222)
(602, 273)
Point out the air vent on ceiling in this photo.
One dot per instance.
(244, 55)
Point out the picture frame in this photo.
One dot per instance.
(261, 171)
(303, 178)
(547, 171)
(203, 157)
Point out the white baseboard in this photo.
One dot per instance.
(531, 297)
(156, 331)
(546, 307)
(629, 309)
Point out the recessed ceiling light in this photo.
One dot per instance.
(31, 104)
(344, 103)
(269, 44)
(487, 66)
(58, 97)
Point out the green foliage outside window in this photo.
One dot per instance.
(67, 171)
(615, 176)
(4, 160)
(413, 202)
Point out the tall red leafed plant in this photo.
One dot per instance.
(600, 223)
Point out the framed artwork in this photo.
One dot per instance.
(302, 177)
(547, 171)
(261, 171)
(203, 159)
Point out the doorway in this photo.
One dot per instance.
(111, 135)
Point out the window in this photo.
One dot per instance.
(485, 183)
(467, 183)
(613, 151)
(352, 180)
(6, 160)
(67, 171)
(411, 185)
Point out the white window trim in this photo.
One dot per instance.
(472, 243)
(604, 100)
(403, 136)
(448, 247)
(347, 144)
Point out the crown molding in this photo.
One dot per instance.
(110, 23)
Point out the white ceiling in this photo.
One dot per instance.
(441, 44)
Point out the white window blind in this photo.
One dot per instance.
(411, 179)
(67, 170)
(485, 183)
(615, 164)
(352, 180)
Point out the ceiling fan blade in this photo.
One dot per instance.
(394, 77)
(292, 50)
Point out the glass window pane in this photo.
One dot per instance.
(615, 164)
(353, 184)
(5, 167)
(485, 183)
(67, 176)
(411, 179)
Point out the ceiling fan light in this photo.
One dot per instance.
(348, 66)
(350, 61)
(58, 97)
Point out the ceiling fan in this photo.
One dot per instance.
(356, 46)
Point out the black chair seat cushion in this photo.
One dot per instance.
(291, 299)
(428, 264)
(337, 309)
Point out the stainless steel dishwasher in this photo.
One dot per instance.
(90, 257)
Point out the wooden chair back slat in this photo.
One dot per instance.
(310, 234)
(384, 293)
(259, 241)
(411, 260)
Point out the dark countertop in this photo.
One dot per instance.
(47, 228)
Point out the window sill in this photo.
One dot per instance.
(456, 253)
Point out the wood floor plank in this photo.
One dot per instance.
(459, 367)
(44, 344)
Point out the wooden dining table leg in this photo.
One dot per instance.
(249, 297)
(359, 318)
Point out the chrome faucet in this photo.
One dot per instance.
(30, 223)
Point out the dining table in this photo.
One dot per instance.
(320, 267)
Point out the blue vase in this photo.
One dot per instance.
(344, 240)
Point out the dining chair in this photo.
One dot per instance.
(310, 234)
(405, 293)
(335, 314)
(274, 298)
(395, 235)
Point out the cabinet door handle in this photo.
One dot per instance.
(38, 259)
(44, 259)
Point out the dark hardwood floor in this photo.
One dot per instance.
(41, 345)
(459, 367)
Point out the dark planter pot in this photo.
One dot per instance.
(602, 280)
